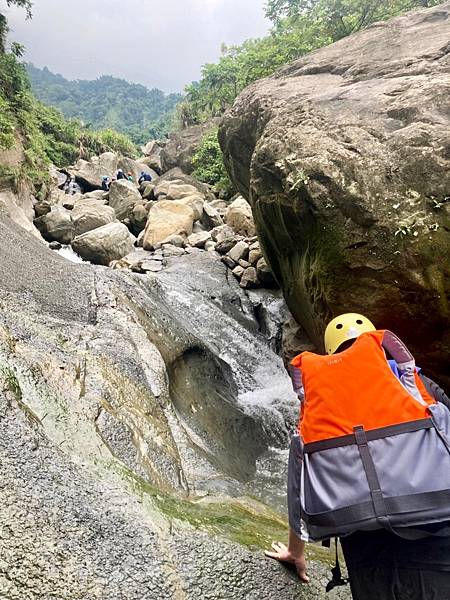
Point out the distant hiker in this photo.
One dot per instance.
(130, 176)
(121, 174)
(144, 177)
(370, 464)
(105, 183)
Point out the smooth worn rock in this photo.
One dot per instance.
(176, 191)
(138, 219)
(196, 202)
(111, 389)
(239, 217)
(104, 244)
(123, 197)
(147, 190)
(210, 217)
(169, 250)
(89, 173)
(254, 256)
(239, 251)
(56, 226)
(42, 208)
(199, 240)
(346, 164)
(244, 263)
(175, 240)
(178, 176)
(238, 271)
(166, 218)
(265, 274)
(181, 147)
(229, 262)
(90, 214)
(249, 278)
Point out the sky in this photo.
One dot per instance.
(159, 43)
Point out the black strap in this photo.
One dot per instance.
(337, 579)
(379, 506)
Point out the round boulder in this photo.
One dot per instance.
(104, 244)
(90, 214)
(167, 218)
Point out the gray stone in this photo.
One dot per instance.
(104, 244)
(249, 278)
(238, 271)
(210, 217)
(55, 246)
(210, 246)
(90, 214)
(238, 251)
(56, 226)
(254, 256)
(123, 197)
(265, 274)
(239, 217)
(169, 250)
(229, 262)
(199, 239)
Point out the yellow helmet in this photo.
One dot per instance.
(345, 327)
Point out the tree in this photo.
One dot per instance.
(26, 4)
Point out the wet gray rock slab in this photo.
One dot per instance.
(65, 535)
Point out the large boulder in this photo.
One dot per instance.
(347, 168)
(56, 225)
(89, 173)
(152, 155)
(239, 217)
(90, 214)
(178, 176)
(123, 197)
(182, 146)
(167, 218)
(104, 244)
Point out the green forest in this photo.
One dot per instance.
(108, 103)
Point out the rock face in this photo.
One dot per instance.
(167, 218)
(111, 385)
(56, 225)
(346, 164)
(181, 147)
(239, 217)
(104, 244)
(90, 214)
(123, 197)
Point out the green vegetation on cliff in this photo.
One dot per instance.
(209, 165)
(45, 135)
(108, 102)
(299, 26)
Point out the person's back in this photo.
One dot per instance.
(120, 174)
(381, 564)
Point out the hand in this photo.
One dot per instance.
(283, 554)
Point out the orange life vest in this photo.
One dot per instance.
(358, 387)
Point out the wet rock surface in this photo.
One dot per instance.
(111, 384)
(346, 166)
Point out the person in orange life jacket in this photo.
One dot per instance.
(381, 564)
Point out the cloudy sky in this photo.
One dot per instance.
(160, 43)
